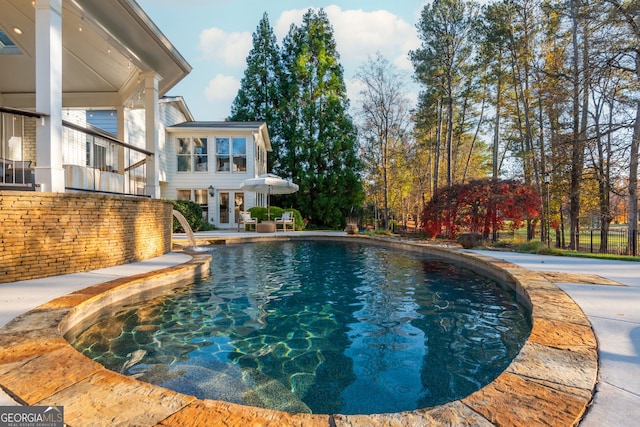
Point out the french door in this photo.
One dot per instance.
(230, 204)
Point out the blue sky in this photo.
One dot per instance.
(214, 36)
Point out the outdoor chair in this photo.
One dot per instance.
(246, 220)
(285, 219)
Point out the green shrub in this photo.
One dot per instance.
(382, 232)
(536, 247)
(276, 212)
(530, 247)
(502, 244)
(193, 213)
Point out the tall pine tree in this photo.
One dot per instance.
(258, 96)
(319, 149)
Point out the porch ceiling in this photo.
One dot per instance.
(107, 45)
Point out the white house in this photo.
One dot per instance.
(202, 161)
(206, 162)
(59, 57)
(83, 108)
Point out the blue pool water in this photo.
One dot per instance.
(322, 327)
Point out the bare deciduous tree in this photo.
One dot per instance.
(384, 121)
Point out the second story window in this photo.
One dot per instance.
(231, 154)
(192, 154)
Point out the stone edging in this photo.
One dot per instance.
(551, 381)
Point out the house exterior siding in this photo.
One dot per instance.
(103, 119)
(170, 114)
(225, 183)
(175, 122)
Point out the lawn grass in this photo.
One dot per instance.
(538, 247)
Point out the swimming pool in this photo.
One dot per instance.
(322, 327)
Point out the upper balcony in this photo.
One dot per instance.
(93, 161)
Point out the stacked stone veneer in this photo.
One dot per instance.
(46, 234)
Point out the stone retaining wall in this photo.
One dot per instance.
(47, 234)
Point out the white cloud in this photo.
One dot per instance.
(284, 21)
(403, 62)
(361, 34)
(354, 87)
(231, 48)
(222, 88)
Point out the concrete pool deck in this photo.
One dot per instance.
(610, 309)
(614, 314)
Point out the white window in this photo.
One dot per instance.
(231, 154)
(192, 154)
(7, 46)
(101, 154)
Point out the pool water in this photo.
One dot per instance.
(321, 327)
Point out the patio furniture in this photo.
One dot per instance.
(286, 218)
(16, 172)
(270, 184)
(266, 227)
(246, 220)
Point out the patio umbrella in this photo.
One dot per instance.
(270, 184)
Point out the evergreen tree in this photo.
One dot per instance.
(319, 138)
(442, 65)
(258, 96)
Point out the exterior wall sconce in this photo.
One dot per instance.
(212, 191)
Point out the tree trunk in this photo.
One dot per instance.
(577, 150)
(630, 16)
(496, 145)
(496, 133)
(544, 202)
(475, 138)
(385, 178)
(603, 171)
(449, 131)
(436, 167)
(560, 239)
(586, 88)
(633, 176)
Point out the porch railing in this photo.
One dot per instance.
(96, 161)
(93, 160)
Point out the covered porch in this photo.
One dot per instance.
(64, 59)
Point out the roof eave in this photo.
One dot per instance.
(265, 137)
(183, 67)
(222, 125)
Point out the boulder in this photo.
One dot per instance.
(470, 240)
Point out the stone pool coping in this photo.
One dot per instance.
(550, 382)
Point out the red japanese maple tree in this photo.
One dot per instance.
(480, 206)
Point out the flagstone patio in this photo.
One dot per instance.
(551, 381)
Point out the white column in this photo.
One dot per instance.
(122, 136)
(48, 171)
(124, 130)
(151, 134)
(123, 118)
